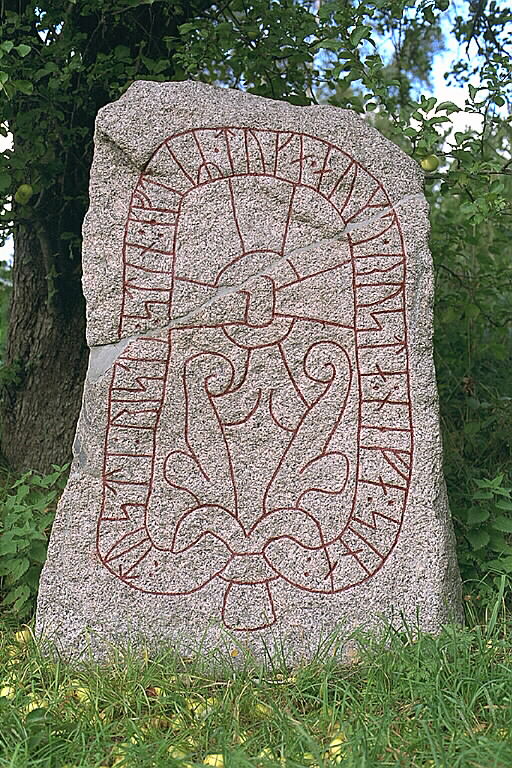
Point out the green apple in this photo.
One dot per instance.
(430, 163)
(23, 194)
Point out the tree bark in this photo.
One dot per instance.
(45, 357)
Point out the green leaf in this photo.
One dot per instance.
(448, 106)
(478, 539)
(501, 564)
(358, 34)
(38, 550)
(23, 49)
(498, 543)
(427, 104)
(184, 29)
(504, 504)
(7, 545)
(503, 523)
(25, 86)
(5, 181)
(471, 427)
(21, 592)
(429, 14)
(476, 515)
(18, 566)
(7, 46)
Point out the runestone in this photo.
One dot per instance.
(258, 458)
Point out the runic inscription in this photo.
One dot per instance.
(283, 375)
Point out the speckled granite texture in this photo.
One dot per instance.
(258, 458)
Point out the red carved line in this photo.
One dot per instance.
(125, 536)
(382, 269)
(195, 282)
(386, 429)
(131, 455)
(128, 412)
(365, 541)
(142, 359)
(379, 234)
(139, 380)
(249, 415)
(124, 574)
(399, 344)
(262, 154)
(109, 482)
(314, 320)
(338, 182)
(394, 466)
(375, 514)
(273, 416)
(180, 166)
(384, 486)
(202, 535)
(240, 324)
(383, 374)
(233, 206)
(303, 157)
(379, 326)
(247, 294)
(151, 180)
(392, 295)
(252, 629)
(367, 205)
(385, 401)
(379, 285)
(147, 270)
(147, 307)
(132, 286)
(291, 377)
(350, 190)
(314, 274)
(289, 261)
(286, 142)
(362, 257)
(324, 168)
(154, 222)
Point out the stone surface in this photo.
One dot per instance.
(258, 456)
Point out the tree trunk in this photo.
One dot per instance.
(45, 356)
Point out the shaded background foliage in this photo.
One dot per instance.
(61, 61)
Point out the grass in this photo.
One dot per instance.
(427, 702)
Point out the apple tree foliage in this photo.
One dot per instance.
(60, 61)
